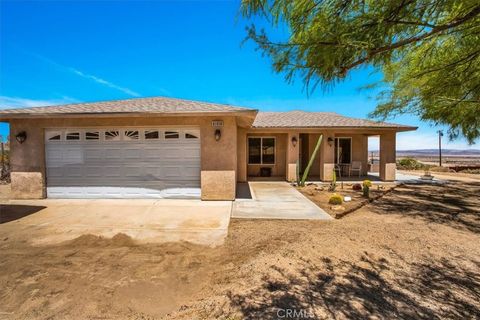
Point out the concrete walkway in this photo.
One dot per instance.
(152, 221)
(276, 200)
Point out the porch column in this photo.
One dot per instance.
(387, 156)
(292, 155)
(327, 157)
(241, 154)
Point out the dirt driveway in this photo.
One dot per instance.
(52, 221)
(415, 254)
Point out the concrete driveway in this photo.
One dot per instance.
(276, 200)
(53, 221)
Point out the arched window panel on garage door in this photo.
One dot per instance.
(92, 135)
(112, 135)
(72, 135)
(172, 134)
(151, 134)
(53, 135)
(192, 134)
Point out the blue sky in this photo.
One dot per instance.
(55, 52)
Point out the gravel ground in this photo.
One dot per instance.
(415, 253)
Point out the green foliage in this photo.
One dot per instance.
(429, 52)
(335, 199)
(409, 163)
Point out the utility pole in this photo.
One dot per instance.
(440, 135)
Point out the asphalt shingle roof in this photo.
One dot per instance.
(304, 119)
(138, 105)
(161, 105)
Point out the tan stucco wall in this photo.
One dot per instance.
(327, 157)
(279, 168)
(241, 154)
(218, 185)
(30, 156)
(292, 156)
(387, 156)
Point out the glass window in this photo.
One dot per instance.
(343, 147)
(254, 147)
(92, 135)
(268, 150)
(131, 135)
(152, 134)
(172, 135)
(190, 136)
(73, 136)
(112, 135)
(55, 136)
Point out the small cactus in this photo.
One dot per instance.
(335, 199)
(366, 188)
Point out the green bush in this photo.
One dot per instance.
(335, 199)
(409, 163)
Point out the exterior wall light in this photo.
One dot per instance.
(294, 141)
(218, 134)
(330, 141)
(21, 137)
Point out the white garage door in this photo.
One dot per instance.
(123, 163)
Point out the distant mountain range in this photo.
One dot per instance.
(434, 152)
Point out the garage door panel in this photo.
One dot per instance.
(139, 168)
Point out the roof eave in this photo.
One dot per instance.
(398, 129)
(12, 116)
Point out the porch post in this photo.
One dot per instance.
(292, 156)
(387, 156)
(327, 157)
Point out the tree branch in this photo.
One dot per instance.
(472, 14)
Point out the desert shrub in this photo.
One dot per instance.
(409, 163)
(440, 169)
(357, 187)
(335, 199)
(474, 171)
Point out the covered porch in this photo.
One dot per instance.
(275, 155)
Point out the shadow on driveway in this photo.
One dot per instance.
(11, 212)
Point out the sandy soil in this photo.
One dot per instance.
(415, 253)
(320, 196)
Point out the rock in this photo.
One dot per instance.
(337, 208)
(347, 198)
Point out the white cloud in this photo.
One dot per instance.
(87, 76)
(104, 82)
(17, 102)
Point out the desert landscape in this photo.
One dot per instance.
(414, 253)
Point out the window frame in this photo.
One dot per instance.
(261, 148)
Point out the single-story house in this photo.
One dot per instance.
(164, 147)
